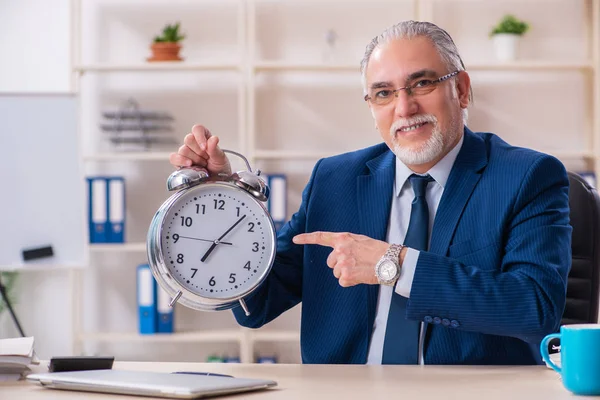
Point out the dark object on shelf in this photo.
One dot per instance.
(80, 363)
(38, 252)
(133, 126)
(136, 114)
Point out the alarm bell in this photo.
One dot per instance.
(251, 182)
(185, 178)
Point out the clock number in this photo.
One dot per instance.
(198, 208)
(212, 282)
(194, 273)
(255, 248)
(238, 211)
(219, 204)
(175, 237)
(179, 258)
(232, 278)
(247, 266)
(251, 225)
(186, 221)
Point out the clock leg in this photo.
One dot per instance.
(245, 307)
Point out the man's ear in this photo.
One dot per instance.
(463, 86)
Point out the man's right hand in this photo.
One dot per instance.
(201, 149)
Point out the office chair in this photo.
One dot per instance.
(584, 277)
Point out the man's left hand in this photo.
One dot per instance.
(353, 257)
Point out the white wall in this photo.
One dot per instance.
(35, 52)
(34, 46)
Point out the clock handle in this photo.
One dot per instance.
(240, 156)
(245, 307)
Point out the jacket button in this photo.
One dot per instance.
(454, 323)
(445, 322)
(428, 319)
(437, 320)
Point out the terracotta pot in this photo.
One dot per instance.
(165, 51)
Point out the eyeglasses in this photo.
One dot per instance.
(382, 97)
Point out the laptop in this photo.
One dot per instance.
(153, 384)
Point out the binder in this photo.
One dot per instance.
(146, 299)
(97, 209)
(165, 313)
(277, 204)
(116, 209)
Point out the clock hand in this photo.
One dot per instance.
(203, 240)
(216, 242)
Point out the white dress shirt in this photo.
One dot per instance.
(397, 227)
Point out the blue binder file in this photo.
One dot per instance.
(277, 204)
(146, 297)
(97, 209)
(165, 313)
(116, 209)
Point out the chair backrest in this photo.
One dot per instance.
(583, 282)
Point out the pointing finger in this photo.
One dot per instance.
(320, 238)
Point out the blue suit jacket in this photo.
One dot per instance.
(496, 269)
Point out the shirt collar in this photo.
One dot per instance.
(439, 172)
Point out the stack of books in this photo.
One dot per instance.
(16, 355)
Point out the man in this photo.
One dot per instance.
(482, 276)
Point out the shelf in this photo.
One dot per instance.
(118, 247)
(530, 65)
(294, 155)
(38, 267)
(315, 155)
(475, 66)
(570, 154)
(231, 335)
(276, 336)
(128, 156)
(294, 66)
(157, 67)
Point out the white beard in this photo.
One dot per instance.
(431, 149)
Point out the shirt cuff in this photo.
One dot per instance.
(407, 272)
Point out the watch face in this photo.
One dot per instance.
(387, 270)
(217, 241)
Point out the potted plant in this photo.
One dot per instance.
(166, 47)
(7, 279)
(506, 36)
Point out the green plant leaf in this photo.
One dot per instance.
(510, 24)
(170, 33)
(8, 280)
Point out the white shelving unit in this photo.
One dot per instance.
(250, 68)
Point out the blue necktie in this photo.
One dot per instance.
(401, 345)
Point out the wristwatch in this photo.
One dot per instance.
(387, 269)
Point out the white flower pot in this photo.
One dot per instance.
(506, 46)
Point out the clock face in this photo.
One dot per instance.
(387, 270)
(217, 241)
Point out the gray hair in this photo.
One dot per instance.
(411, 29)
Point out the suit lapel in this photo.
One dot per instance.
(375, 191)
(462, 180)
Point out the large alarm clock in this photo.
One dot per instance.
(212, 242)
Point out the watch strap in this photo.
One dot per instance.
(393, 252)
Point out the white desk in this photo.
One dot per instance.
(313, 382)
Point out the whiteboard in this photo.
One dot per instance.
(42, 190)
